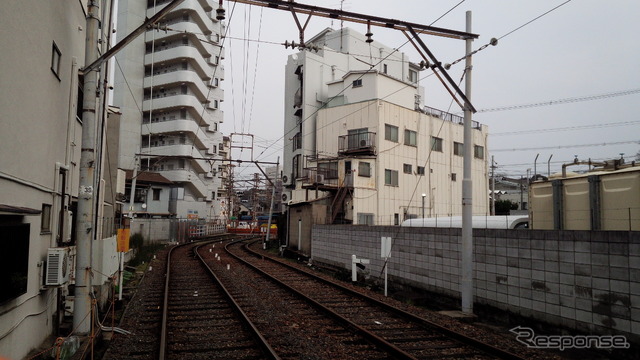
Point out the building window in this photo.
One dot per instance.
(56, 55)
(45, 219)
(406, 168)
(364, 169)
(14, 260)
(156, 194)
(213, 195)
(396, 219)
(384, 68)
(436, 144)
(365, 219)
(216, 60)
(215, 104)
(390, 132)
(357, 83)
(181, 164)
(458, 149)
(328, 169)
(410, 138)
(420, 170)
(478, 152)
(390, 177)
(295, 166)
(297, 141)
(413, 76)
(454, 177)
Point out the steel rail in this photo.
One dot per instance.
(488, 348)
(375, 339)
(165, 304)
(264, 344)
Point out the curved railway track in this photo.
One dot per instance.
(226, 301)
(402, 334)
(199, 319)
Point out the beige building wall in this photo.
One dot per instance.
(443, 170)
(40, 141)
(610, 196)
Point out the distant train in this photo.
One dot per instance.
(478, 222)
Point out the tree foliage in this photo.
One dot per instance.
(504, 206)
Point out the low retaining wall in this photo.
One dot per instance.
(583, 280)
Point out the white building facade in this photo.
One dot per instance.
(168, 89)
(365, 143)
(40, 142)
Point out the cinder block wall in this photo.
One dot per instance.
(584, 280)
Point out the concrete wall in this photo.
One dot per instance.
(582, 280)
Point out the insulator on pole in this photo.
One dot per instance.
(220, 12)
(369, 34)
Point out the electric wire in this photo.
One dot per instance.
(569, 128)
(255, 72)
(569, 146)
(563, 101)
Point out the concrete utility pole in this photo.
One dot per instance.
(84, 224)
(273, 196)
(466, 284)
(85, 221)
(493, 186)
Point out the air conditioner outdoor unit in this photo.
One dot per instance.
(319, 179)
(58, 266)
(287, 179)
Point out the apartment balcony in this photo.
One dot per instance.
(194, 7)
(202, 115)
(179, 53)
(179, 77)
(178, 126)
(357, 144)
(182, 29)
(192, 180)
(182, 150)
(320, 178)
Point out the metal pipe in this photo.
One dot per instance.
(466, 283)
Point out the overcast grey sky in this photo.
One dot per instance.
(584, 48)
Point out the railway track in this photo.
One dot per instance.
(225, 301)
(199, 319)
(295, 328)
(399, 332)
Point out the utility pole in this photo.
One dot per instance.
(85, 221)
(466, 284)
(85, 228)
(493, 186)
(273, 195)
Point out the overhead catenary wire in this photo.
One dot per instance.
(563, 101)
(568, 128)
(569, 146)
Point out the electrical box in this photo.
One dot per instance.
(58, 266)
(67, 226)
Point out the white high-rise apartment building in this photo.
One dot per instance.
(364, 146)
(168, 89)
